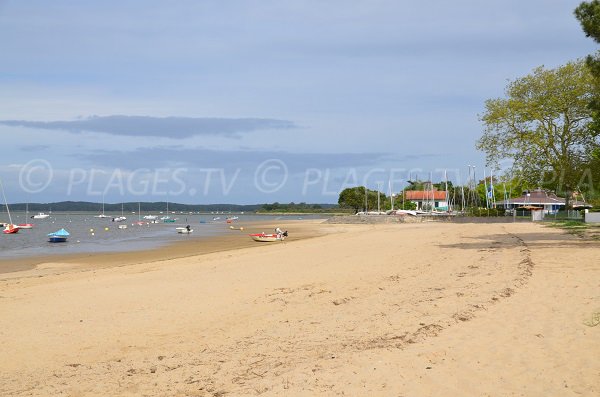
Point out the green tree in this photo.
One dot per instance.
(543, 126)
(399, 204)
(588, 14)
(353, 197)
(356, 199)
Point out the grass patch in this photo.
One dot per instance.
(570, 225)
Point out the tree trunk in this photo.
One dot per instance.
(568, 200)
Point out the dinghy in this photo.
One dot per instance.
(59, 236)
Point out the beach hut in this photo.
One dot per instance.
(549, 202)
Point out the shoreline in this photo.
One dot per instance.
(192, 246)
(415, 309)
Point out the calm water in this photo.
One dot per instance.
(90, 234)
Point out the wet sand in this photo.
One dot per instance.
(188, 245)
(385, 310)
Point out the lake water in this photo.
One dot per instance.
(90, 234)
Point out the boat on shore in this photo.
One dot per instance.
(59, 236)
(269, 237)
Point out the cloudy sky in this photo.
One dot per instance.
(257, 101)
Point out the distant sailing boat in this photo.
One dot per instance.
(10, 228)
(26, 225)
(120, 218)
(102, 215)
(139, 222)
(167, 218)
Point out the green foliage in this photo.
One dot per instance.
(297, 208)
(484, 212)
(588, 14)
(406, 205)
(569, 224)
(426, 185)
(543, 126)
(357, 197)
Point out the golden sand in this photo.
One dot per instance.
(384, 310)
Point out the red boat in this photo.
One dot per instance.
(269, 237)
(11, 229)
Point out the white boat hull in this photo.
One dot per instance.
(267, 238)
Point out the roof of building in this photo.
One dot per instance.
(542, 197)
(424, 195)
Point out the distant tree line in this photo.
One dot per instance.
(299, 208)
(84, 206)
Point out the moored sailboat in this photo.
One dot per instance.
(102, 215)
(120, 218)
(26, 225)
(10, 228)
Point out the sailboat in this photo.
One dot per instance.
(10, 228)
(26, 225)
(102, 215)
(140, 222)
(120, 218)
(167, 218)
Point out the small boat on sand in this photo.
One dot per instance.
(269, 237)
(59, 236)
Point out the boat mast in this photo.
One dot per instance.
(432, 192)
(5, 202)
(378, 198)
(487, 201)
(447, 197)
(391, 194)
(462, 191)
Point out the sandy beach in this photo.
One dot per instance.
(427, 309)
